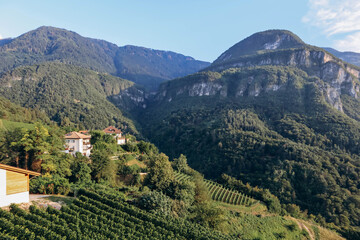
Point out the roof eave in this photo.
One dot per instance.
(18, 170)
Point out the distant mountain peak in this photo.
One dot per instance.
(262, 41)
(348, 56)
(145, 66)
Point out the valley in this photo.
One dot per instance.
(263, 143)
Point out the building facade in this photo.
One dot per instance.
(77, 142)
(117, 134)
(14, 185)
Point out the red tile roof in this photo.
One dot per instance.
(86, 132)
(76, 135)
(111, 130)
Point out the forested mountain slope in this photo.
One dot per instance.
(12, 112)
(70, 95)
(141, 65)
(284, 118)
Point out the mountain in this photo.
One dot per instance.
(274, 112)
(142, 65)
(261, 42)
(150, 67)
(350, 57)
(69, 95)
(54, 44)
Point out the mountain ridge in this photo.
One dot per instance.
(347, 56)
(262, 41)
(338, 76)
(284, 119)
(54, 44)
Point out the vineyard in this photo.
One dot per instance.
(94, 216)
(221, 193)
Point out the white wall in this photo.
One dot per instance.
(77, 145)
(2, 183)
(14, 198)
(80, 145)
(88, 152)
(6, 200)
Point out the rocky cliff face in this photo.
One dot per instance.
(130, 98)
(334, 77)
(224, 77)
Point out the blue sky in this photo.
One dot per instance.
(202, 29)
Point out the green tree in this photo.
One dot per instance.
(34, 145)
(147, 148)
(81, 171)
(156, 202)
(102, 166)
(57, 164)
(209, 215)
(180, 164)
(201, 191)
(160, 174)
(100, 136)
(10, 153)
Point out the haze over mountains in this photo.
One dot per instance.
(145, 66)
(272, 110)
(350, 57)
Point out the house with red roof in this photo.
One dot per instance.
(78, 142)
(116, 133)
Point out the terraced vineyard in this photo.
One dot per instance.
(221, 193)
(94, 216)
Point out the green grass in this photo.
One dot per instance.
(136, 162)
(66, 200)
(10, 125)
(248, 226)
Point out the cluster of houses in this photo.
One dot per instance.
(80, 141)
(14, 182)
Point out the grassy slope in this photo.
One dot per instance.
(14, 116)
(10, 125)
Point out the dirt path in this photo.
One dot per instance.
(54, 201)
(302, 226)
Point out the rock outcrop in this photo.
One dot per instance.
(273, 48)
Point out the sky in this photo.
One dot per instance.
(202, 29)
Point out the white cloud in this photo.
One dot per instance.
(336, 18)
(350, 43)
(1, 37)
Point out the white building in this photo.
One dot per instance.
(117, 134)
(78, 142)
(14, 185)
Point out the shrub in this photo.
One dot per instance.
(156, 202)
(50, 185)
